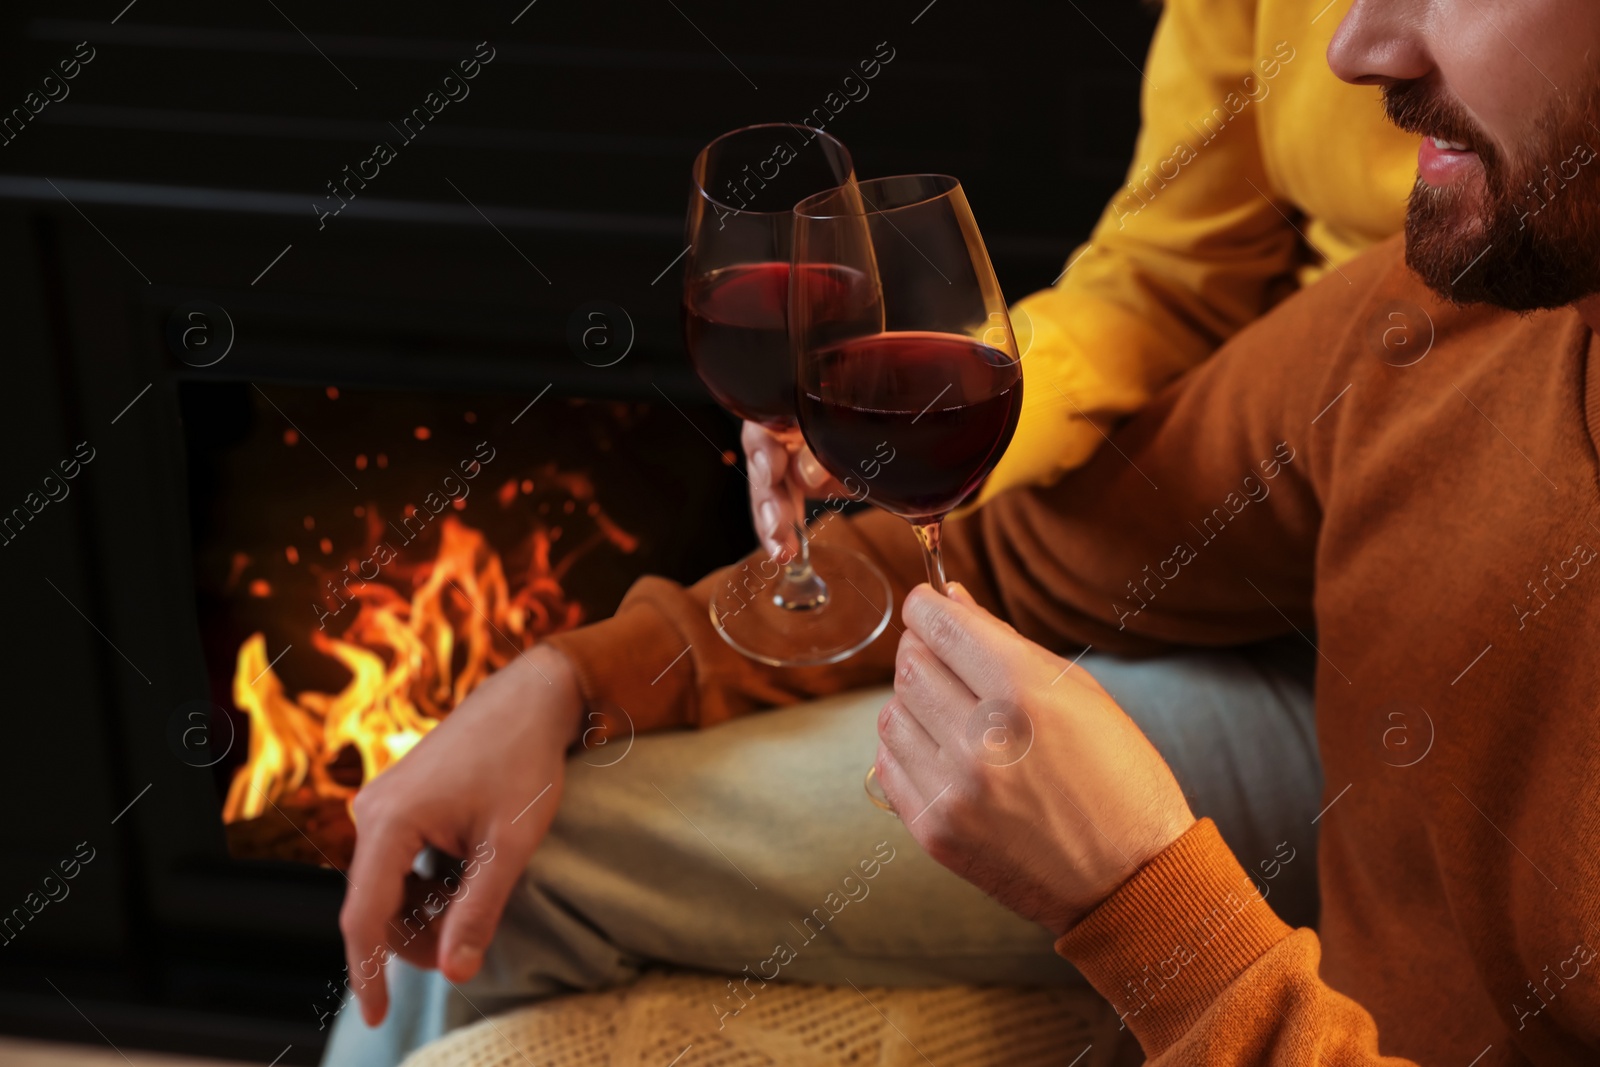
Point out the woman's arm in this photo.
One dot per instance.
(1187, 252)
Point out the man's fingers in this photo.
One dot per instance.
(920, 760)
(932, 695)
(903, 735)
(476, 902)
(419, 941)
(897, 785)
(965, 638)
(383, 858)
(960, 594)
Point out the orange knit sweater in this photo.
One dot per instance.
(1435, 525)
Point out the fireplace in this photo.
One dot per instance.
(283, 579)
(330, 469)
(365, 557)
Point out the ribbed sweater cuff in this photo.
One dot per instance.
(633, 663)
(1174, 936)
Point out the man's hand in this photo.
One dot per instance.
(1015, 769)
(467, 789)
(778, 478)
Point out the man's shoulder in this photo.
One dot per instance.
(1334, 307)
(1373, 309)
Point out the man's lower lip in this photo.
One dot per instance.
(1441, 166)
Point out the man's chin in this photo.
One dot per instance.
(1444, 242)
(1455, 211)
(1504, 267)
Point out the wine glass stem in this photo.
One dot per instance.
(928, 534)
(802, 588)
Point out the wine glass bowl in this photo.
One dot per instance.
(735, 326)
(828, 602)
(945, 404)
(931, 373)
(736, 288)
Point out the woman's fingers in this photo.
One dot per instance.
(779, 466)
(813, 476)
(770, 507)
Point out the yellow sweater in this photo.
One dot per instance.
(1255, 169)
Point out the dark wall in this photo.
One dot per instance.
(188, 160)
(576, 137)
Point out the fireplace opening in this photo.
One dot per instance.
(365, 558)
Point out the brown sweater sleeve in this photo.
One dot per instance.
(1201, 970)
(661, 661)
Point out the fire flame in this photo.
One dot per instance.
(411, 660)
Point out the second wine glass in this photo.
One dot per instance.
(929, 387)
(828, 602)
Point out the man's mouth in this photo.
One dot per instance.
(1442, 162)
(1455, 150)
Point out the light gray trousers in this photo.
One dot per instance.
(711, 849)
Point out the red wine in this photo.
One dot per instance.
(945, 405)
(735, 324)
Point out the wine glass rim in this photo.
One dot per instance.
(948, 185)
(816, 132)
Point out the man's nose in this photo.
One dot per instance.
(1381, 42)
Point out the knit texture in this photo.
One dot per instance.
(666, 1018)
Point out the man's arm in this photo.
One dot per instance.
(1202, 971)
(1077, 823)
(1088, 832)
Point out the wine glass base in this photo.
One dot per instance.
(855, 612)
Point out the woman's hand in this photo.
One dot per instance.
(482, 786)
(1015, 769)
(776, 474)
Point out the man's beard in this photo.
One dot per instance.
(1529, 237)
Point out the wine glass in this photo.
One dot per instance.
(735, 325)
(924, 390)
